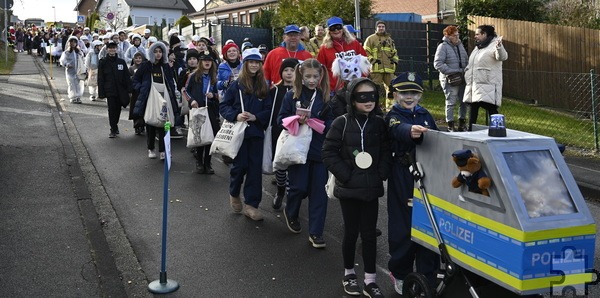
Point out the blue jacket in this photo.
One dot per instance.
(400, 121)
(288, 108)
(224, 73)
(231, 106)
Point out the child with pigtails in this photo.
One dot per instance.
(310, 94)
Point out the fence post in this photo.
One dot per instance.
(429, 63)
(594, 112)
(411, 65)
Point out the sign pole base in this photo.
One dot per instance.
(163, 285)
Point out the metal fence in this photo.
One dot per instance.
(575, 126)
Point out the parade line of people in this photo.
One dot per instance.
(342, 103)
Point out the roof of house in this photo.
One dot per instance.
(184, 5)
(232, 6)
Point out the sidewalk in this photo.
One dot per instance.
(44, 243)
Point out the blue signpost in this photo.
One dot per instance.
(164, 285)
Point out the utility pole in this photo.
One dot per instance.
(357, 17)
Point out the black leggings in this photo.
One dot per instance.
(490, 108)
(360, 216)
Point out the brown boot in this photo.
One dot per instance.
(462, 124)
(451, 126)
(236, 204)
(253, 213)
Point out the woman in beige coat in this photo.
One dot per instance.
(484, 73)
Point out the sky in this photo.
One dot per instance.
(26, 9)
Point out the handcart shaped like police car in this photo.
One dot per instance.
(533, 234)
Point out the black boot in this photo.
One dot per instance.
(462, 124)
(451, 126)
(207, 167)
(278, 197)
(200, 167)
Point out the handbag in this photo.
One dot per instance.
(457, 78)
(267, 163)
(81, 69)
(330, 185)
(292, 149)
(200, 129)
(230, 137)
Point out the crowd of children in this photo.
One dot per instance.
(350, 136)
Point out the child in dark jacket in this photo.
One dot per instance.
(201, 91)
(407, 122)
(286, 72)
(311, 93)
(357, 152)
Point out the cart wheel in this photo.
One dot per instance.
(417, 285)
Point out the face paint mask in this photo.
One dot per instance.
(365, 97)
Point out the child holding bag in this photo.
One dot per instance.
(201, 91)
(311, 92)
(247, 99)
(357, 152)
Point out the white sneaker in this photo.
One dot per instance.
(162, 156)
(151, 154)
(398, 283)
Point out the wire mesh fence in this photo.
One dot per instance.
(564, 107)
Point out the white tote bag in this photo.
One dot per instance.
(291, 149)
(158, 108)
(267, 163)
(200, 129)
(230, 137)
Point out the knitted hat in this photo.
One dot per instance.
(288, 62)
(174, 40)
(227, 47)
(192, 53)
(246, 45)
(252, 54)
(407, 81)
(263, 48)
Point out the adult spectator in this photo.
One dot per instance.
(383, 56)
(290, 48)
(305, 41)
(317, 40)
(451, 58)
(338, 42)
(484, 73)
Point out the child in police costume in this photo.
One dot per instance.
(407, 123)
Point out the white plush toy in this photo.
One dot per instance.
(350, 68)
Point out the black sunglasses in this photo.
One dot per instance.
(335, 28)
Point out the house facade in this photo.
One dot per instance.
(244, 12)
(115, 13)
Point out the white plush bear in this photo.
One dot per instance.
(350, 68)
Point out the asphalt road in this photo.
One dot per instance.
(115, 192)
